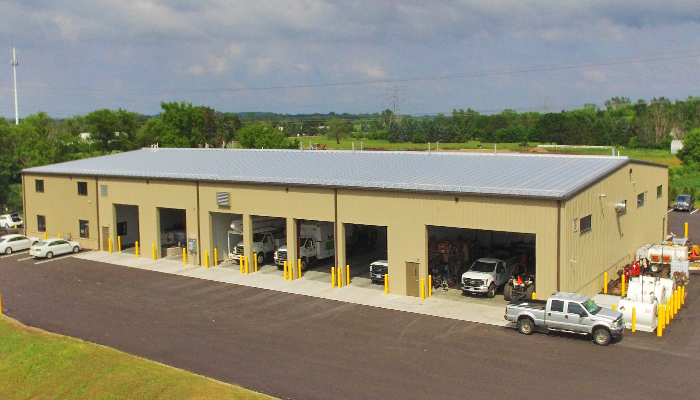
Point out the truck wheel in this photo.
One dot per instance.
(508, 292)
(654, 268)
(304, 264)
(492, 291)
(526, 326)
(529, 291)
(601, 336)
(261, 258)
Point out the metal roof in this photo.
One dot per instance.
(510, 174)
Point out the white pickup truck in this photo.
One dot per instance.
(268, 236)
(486, 275)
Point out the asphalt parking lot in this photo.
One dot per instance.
(301, 347)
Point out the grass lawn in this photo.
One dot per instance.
(35, 364)
(660, 156)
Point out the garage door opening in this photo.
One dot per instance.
(173, 231)
(222, 238)
(315, 249)
(473, 264)
(127, 219)
(269, 234)
(365, 246)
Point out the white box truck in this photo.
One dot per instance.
(316, 242)
(268, 236)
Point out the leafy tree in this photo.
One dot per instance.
(337, 128)
(690, 153)
(264, 136)
(6, 160)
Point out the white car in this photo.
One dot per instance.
(53, 247)
(10, 243)
(10, 220)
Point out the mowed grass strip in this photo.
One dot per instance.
(35, 364)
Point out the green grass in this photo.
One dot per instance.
(39, 365)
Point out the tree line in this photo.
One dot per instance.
(40, 140)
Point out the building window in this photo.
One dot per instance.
(84, 229)
(121, 228)
(585, 224)
(659, 191)
(640, 199)
(82, 188)
(41, 223)
(39, 185)
(103, 190)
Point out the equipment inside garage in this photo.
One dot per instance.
(173, 228)
(315, 245)
(269, 234)
(364, 244)
(452, 251)
(221, 232)
(127, 218)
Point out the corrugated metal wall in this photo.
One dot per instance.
(613, 240)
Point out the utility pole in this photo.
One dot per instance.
(14, 64)
(545, 105)
(395, 102)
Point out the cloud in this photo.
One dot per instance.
(372, 71)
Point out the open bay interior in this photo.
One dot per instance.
(127, 220)
(173, 231)
(365, 245)
(224, 240)
(452, 251)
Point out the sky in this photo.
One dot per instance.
(308, 56)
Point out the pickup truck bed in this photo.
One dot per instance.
(531, 304)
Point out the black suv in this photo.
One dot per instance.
(684, 202)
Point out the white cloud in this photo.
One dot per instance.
(372, 71)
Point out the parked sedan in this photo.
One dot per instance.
(53, 247)
(10, 243)
(10, 220)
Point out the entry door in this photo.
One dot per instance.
(105, 238)
(412, 279)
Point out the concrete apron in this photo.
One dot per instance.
(481, 313)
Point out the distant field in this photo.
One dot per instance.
(38, 364)
(660, 156)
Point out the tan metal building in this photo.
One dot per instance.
(585, 215)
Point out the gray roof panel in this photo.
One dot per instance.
(511, 174)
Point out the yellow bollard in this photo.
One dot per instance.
(137, 249)
(686, 229)
(683, 294)
(241, 262)
(184, 256)
(673, 304)
(110, 245)
(216, 259)
(667, 313)
(430, 285)
(614, 306)
(290, 269)
(623, 286)
(534, 296)
(660, 323)
(332, 275)
(45, 235)
(634, 318)
(340, 277)
(605, 283)
(677, 295)
(206, 259)
(422, 289)
(59, 235)
(246, 266)
(153, 250)
(347, 273)
(386, 284)
(255, 261)
(299, 268)
(285, 270)
(119, 244)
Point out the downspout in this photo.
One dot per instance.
(199, 239)
(558, 244)
(335, 226)
(24, 204)
(97, 208)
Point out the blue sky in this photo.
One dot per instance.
(306, 56)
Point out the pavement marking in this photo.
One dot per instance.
(670, 210)
(14, 253)
(24, 259)
(48, 260)
(694, 211)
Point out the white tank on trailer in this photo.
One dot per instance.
(646, 315)
(646, 290)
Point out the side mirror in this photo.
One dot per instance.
(583, 314)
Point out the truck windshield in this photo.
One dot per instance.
(591, 306)
(258, 237)
(480, 266)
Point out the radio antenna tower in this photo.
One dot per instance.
(14, 64)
